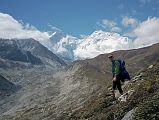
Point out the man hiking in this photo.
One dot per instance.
(116, 75)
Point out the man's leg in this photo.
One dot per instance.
(119, 87)
(114, 87)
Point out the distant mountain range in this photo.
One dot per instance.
(99, 42)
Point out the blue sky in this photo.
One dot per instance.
(78, 17)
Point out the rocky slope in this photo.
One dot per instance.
(9, 50)
(142, 103)
(38, 49)
(80, 91)
(25, 66)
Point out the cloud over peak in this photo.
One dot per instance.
(129, 21)
(11, 28)
(109, 25)
(146, 33)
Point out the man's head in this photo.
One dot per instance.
(111, 57)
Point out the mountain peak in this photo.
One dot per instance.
(101, 32)
(99, 42)
(56, 36)
(28, 51)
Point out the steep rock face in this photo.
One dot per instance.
(9, 50)
(27, 51)
(38, 50)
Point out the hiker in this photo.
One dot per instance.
(116, 75)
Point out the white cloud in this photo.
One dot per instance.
(11, 28)
(129, 21)
(53, 27)
(146, 33)
(116, 29)
(109, 25)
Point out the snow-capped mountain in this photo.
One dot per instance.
(63, 45)
(99, 42)
(56, 36)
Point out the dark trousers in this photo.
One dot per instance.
(117, 84)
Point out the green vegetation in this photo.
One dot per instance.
(145, 99)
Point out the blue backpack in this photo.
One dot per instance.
(124, 72)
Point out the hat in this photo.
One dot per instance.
(110, 55)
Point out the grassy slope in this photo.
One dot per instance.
(145, 99)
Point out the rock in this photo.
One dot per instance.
(138, 77)
(110, 89)
(129, 115)
(150, 67)
(125, 96)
